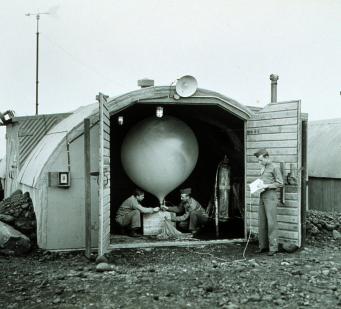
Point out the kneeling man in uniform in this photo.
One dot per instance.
(129, 213)
(193, 216)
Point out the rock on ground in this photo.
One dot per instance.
(12, 241)
(17, 211)
(199, 277)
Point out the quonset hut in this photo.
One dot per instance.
(45, 156)
(324, 148)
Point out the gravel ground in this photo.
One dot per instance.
(202, 277)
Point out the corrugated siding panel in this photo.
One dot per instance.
(322, 135)
(33, 165)
(325, 194)
(31, 132)
(276, 128)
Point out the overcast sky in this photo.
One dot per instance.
(229, 46)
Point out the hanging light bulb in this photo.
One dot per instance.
(159, 111)
(120, 120)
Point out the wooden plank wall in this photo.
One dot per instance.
(325, 194)
(104, 187)
(277, 128)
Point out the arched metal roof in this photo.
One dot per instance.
(37, 159)
(324, 148)
(165, 95)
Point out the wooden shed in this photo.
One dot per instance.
(324, 153)
(221, 125)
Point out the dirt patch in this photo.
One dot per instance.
(201, 277)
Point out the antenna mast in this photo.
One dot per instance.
(37, 15)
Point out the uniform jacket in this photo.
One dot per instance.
(185, 208)
(130, 204)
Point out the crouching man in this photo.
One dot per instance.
(129, 213)
(193, 216)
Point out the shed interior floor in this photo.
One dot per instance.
(219, 133)
(232, 229)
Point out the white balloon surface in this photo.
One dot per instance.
(158, 154)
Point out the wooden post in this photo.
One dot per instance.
(284, 179)
(216, 206)
(104, 176)
(304, 180)
(87, 187)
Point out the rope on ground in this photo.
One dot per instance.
(210, 254)
(250, 232)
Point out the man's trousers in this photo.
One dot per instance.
(132, 219)
(267, 220)
(195, 221)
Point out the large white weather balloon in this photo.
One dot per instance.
(158, 154)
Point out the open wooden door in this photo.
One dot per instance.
(104, 176)
(277, 127)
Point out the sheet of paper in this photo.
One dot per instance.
(256, 185)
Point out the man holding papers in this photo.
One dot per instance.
(267, 215)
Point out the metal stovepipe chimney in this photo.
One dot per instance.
(274, 78)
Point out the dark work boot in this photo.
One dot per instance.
(272, 253)
(263, 250)
(196, 232)
(134, 233)
(122, 230)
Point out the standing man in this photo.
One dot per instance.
(192, 215)
(267, 214)
(129, 213)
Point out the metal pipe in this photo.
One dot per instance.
(274, 78)
(37, 63)
(87, 186)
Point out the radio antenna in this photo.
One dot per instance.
(37, 15)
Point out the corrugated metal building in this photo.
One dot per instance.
(324, 153)
(50, 152)
(40, 148)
